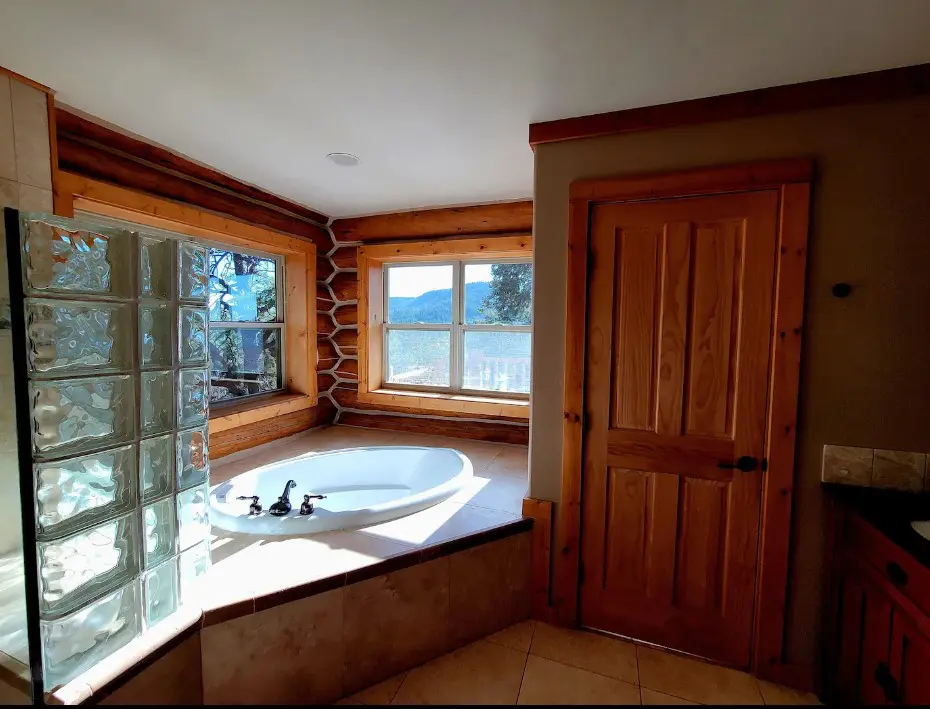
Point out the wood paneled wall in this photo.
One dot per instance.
(337, 303)
(92, 150)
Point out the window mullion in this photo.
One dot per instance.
(458, 303)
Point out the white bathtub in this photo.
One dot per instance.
(363, 486)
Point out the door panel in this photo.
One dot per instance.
(910, 664)
(678, 343)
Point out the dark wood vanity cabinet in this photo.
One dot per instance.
(878, 636)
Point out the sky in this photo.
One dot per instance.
(411, 281)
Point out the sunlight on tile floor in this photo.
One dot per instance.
(535, 663)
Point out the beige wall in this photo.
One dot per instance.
(865, 377)
(25, 183)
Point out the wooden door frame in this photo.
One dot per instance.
(792, 178)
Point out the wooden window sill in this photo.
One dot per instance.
(461, 403)
(222, 419)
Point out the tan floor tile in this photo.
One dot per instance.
(494, 490)
(597, 653)
(480, 673)
(548, 682)
(517, 636)
(510, 461)
(691, 679)
(381, 693)
(777, 694)
(651, 697)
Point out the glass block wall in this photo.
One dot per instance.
(116, 356)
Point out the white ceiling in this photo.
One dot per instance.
(434, 96)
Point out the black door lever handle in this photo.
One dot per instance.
(745, 464)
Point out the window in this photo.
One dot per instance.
(246, 324)
(460, 326)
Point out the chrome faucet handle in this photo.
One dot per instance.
(256, 507)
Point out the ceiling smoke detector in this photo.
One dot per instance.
(344, 159)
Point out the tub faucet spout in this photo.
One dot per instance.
(283, 505)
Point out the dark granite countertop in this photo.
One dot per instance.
(890, 512)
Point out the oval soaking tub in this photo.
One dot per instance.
(363, 486)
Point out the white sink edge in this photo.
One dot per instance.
(922, 528)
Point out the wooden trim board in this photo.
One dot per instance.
(75, 192)
(886, 85)
(503, 218)
(493, 431)
(792, 178)
(541, 512)
(26, 80)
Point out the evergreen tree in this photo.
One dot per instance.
(510, 298)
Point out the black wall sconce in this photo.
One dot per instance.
(841, 290)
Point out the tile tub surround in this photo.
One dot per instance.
(534, 663)
(339, 641)
(250, 572)
(868, 467)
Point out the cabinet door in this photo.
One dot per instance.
(862, 641)
(909, 664)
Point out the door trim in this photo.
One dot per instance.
(792, 177)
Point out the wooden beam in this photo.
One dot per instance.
(240, 438)
(101, 164)
(349, 398)
(478, 430)
(875, 86)
(505, 218)
(83, 130)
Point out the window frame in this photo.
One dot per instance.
(279, 323)
(457, 328)
(372, 389)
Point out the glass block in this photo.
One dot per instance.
(160, 596)
(74, 415)
(75, 643)
(193, 458)
(77, 568)
(155, 325)
(192, 565)
(193, 516)
(160, 530)
(192, 396)
(65, 337)
(155, 257)
(192, 335)
(63, 256)
(192, 271)
(156, 466)
(79, 491)
(157, 393)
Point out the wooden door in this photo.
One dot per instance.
(677, 359)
